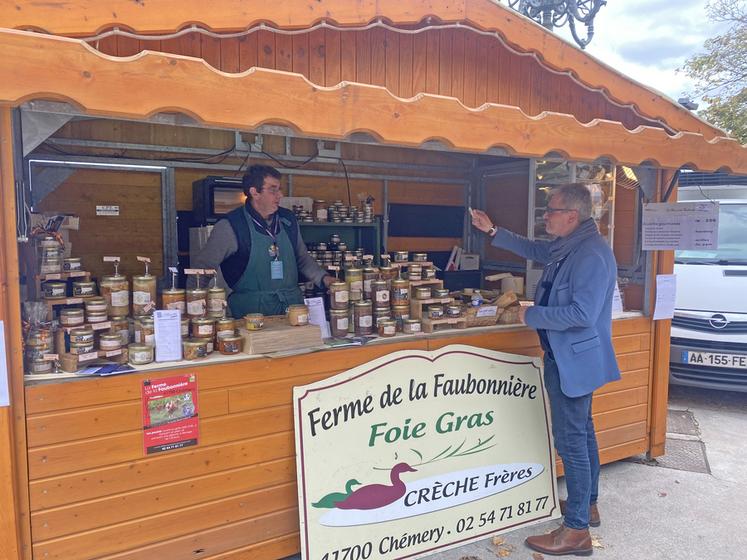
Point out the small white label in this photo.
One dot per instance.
(53, 276)
(76, 273)
(333, 268)
(194, 271)
(144, 259)
(88, 356)
(303, 319)
(356, 286)
(216, 305)
(111, 259)
(382, 296)
(415, 327)
(367, 285)
(209, 271)
(74, 300)
(196, 307)
(141, 298)
(388, 329)
(365, 321)
(177, 305)
(367, 257)
(120, 298)
(107, 210)
(174, 269)
(205, 329)
(111, 353)
(150, 339)
(50, 357)
(342, 324)
(342, 297)
(101, 326)
(487, 311)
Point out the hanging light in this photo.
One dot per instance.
(557, 13)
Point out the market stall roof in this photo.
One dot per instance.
(103, 85)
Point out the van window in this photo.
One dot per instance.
(732, 239)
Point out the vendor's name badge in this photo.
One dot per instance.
(417, 452)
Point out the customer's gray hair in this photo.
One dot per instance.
(575, 196)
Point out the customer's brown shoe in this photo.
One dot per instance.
(562, 541)
(594, 519)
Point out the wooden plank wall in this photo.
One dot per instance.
(458, 63)
(95, 495)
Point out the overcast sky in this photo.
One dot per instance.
(649, 39)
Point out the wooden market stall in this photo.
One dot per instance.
(420, 98)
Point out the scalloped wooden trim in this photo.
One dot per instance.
(87, 17)
(149, 83)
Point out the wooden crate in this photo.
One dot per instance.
(430, 325)
(418, 305)
(277, 335)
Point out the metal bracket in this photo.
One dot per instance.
(323, 149)
(242, 146)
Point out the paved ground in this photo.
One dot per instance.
(660, 512)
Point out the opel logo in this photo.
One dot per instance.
(718, 321)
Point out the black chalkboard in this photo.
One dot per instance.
(421, 220)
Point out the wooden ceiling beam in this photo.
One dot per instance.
(62, 69)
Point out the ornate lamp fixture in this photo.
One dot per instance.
(556, 13)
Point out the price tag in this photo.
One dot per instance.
(209, 271)
(367, 257)
(73, 300)
(53, 276)
(194, 271)
(144, 259)
(385, 256)
(101, 326)
(111, 353)
(111, 259)
(333, 268)
(50, 357)
(174, 269)
(88, 356)
(76, 274)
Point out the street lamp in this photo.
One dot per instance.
(556, 13)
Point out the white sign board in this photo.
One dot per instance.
(666, 292)
(416, 452)
(107, 210)
(683, 225)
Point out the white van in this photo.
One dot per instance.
(709, 329)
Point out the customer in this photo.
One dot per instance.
(573, 317)
(260, 250)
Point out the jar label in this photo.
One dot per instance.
(342, 296)
(389, 329)
(342, 324)
(216, 305)
(365, 321)
(177, 305)
(138, 298)
(228, 332)
(204, 329)
(414, 327)
(321, 214)
(382, 296)
(356, 286)
(138, 337)
(88, 356)
(120, 298)
(142, 357)
(303, 319)
(185, 330)
(83, 290)
(367, 285)
(230, 347)
(150, 339)
(196, 307)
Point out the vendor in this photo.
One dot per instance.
(260, 250)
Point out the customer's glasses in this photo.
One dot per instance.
(551, 210)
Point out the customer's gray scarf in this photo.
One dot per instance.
(561, 247)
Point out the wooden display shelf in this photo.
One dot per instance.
(417, 305)
(430, 325)
(52, 303)
(408, 263)
(71, 362)
(62, 276)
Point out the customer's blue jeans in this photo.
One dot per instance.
(576, 443)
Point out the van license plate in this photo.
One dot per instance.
(712, 359)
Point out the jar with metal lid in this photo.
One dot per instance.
(230, 344)
(116, 291)
(147, 330)
(254, 321)
(369, 275)
(173, 298)
(203, 327)
(194, 348)
(354, 279)
(37, 349)
(415, 272)
(420, 257)
(225, 327)
(81, 347)
(71, 317)
(422, 292)
(110, 341)
(453, 311)
(84, 289)
(40, 336)
(298, 315)
(381, 312)
(380, 291)
(388, 273)
(387, 328)
(400, 313)
(121, 327)
(339, 322)
(400, 292)
(96, 316)
(319, 209)
(140, 354)
(143, 294)
(440, 292)
(339, 295)
(96, 304)
(185, 327)
(48, 241)
(50, 266)
(411, 326)
(209, 343)
(71, 264)
(216, 302)
(196, 303)
(429, 273)
(334, 238)
(81, 335)
(40, 366)
(435, 311)
(54, 290)
(363, 317)
(401, 256)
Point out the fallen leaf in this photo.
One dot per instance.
(505, 550)
(596, 542)
(497, 541)
(537, 556)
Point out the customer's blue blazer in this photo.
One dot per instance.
(578, 316)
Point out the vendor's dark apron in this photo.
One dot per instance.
(256, 291)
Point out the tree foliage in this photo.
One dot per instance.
(720, 71)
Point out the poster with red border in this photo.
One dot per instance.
(169, 413)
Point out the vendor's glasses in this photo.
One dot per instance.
(551, 210)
